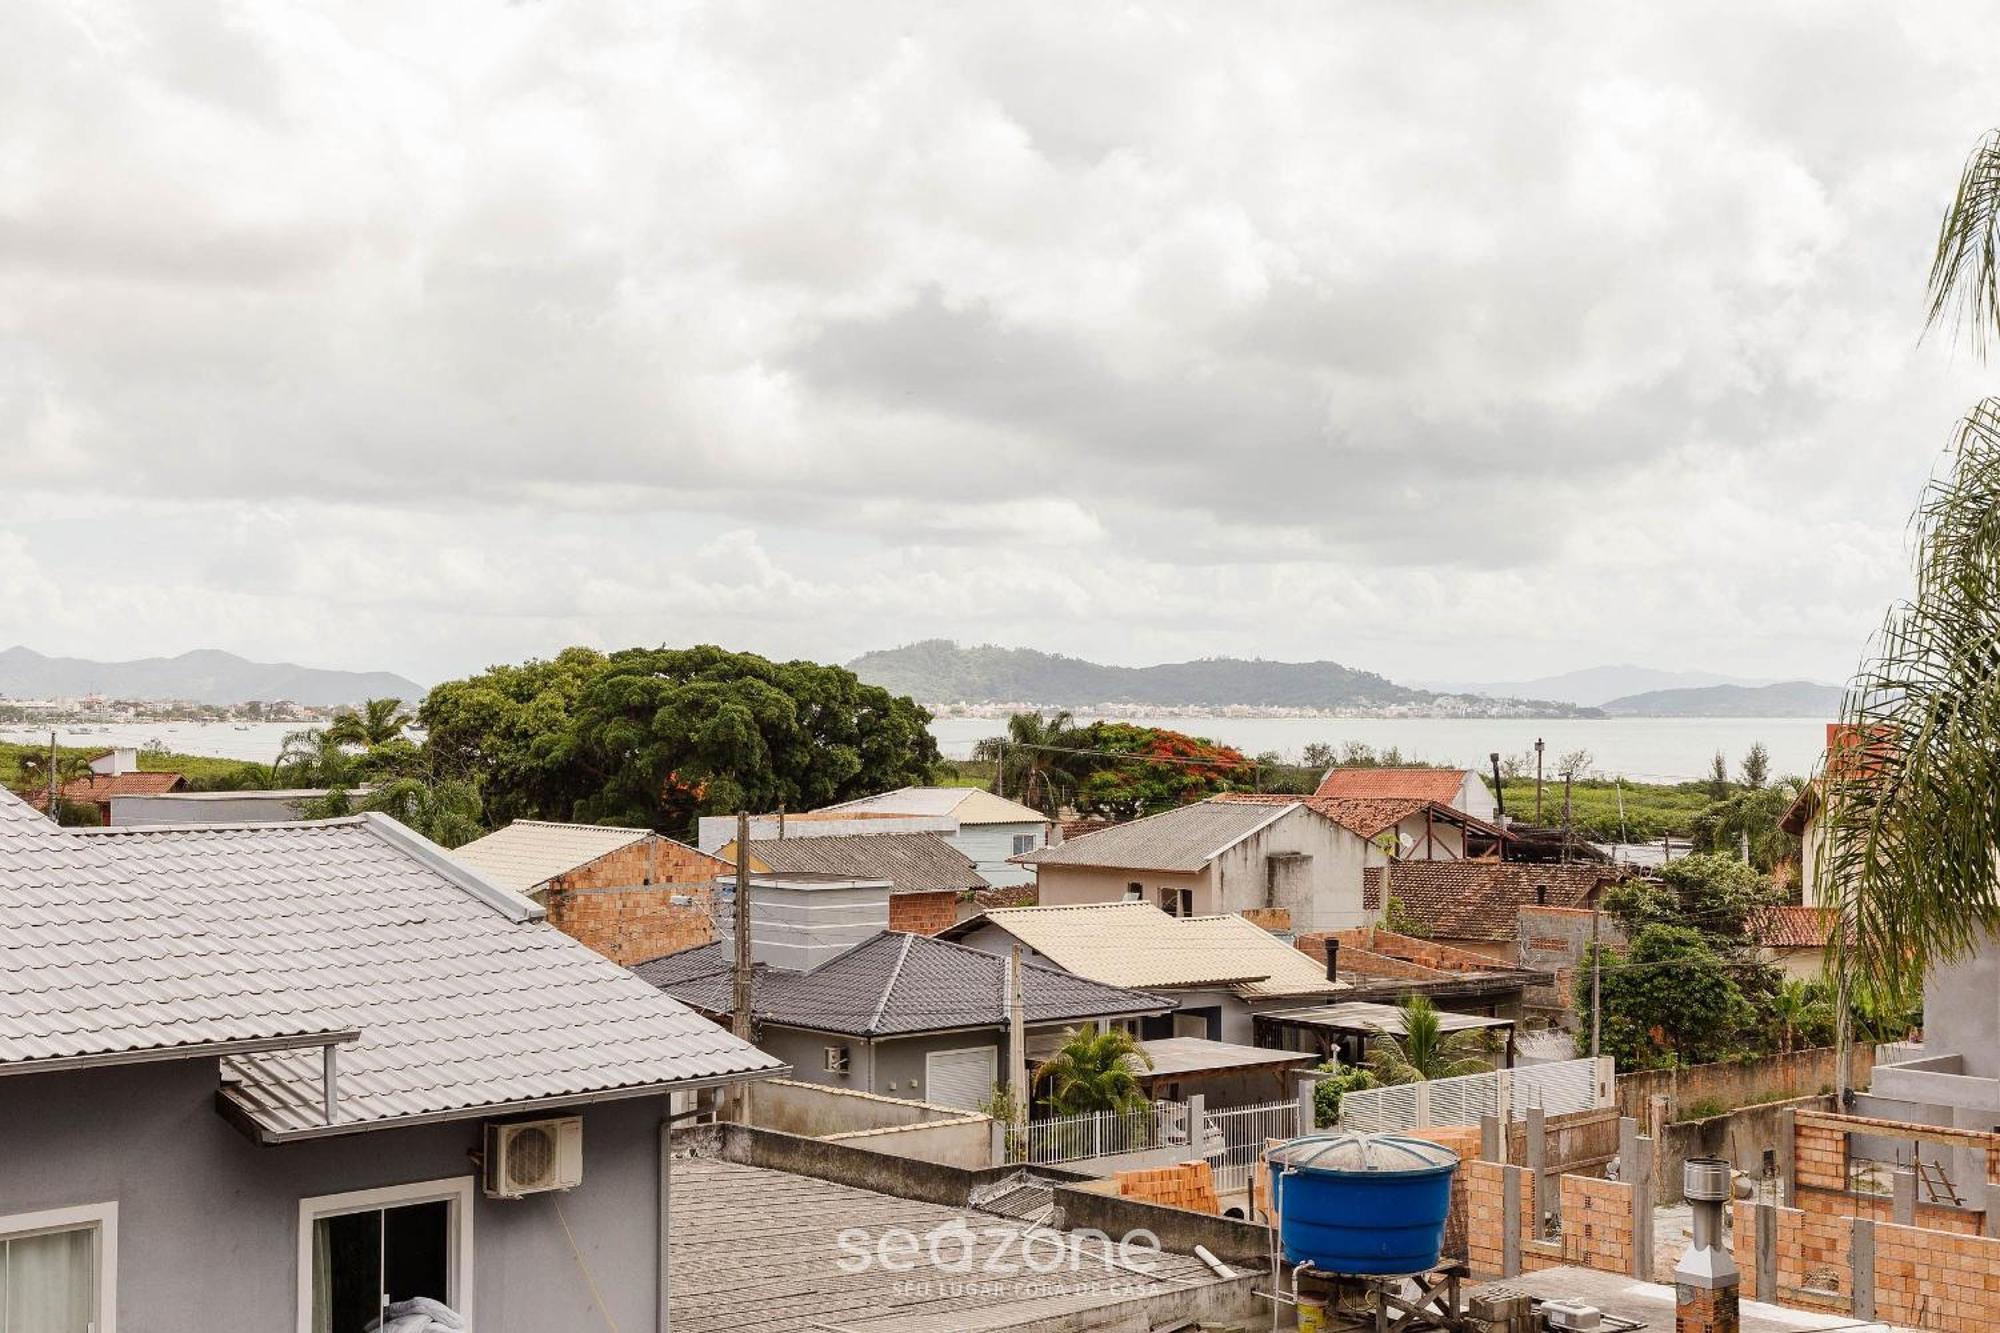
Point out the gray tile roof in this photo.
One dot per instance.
(894, 984)
(149, 940)
(1180, 840)
(93, 967)
(911, 862)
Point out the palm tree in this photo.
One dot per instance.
(1033, 766)
(1911, 824)
(446, 812)
(376, 722)
(312, 757)
(1426, 1051)
(1798, 1006)
(1093, 1071)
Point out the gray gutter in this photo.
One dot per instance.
(514, 906)
(240, 1116)
(191, 1051)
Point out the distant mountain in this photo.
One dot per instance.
(1790, 698)
(204, 676)
(938, 671)
(1594, 685)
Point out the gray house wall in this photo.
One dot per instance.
(1962, 1011)
(891, 1066)
(208, 1221)
(989, 846)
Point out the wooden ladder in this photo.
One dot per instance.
(1937, 1184)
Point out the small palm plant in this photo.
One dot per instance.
(376, 722)
(1093, 1071)
(1426, 1051)
(1799, 1006)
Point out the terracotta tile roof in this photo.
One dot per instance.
(1481, 900)
(1792, 927)
(1367, 816)
(99, 788)
(1429, 784)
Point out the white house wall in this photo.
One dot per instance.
(1328, 898)
(989, 846)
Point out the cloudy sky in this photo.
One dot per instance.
(1447, 341)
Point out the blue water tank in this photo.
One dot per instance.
(1372, 1204)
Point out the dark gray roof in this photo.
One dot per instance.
(892, 985)
(912, 862)
(1183, 840)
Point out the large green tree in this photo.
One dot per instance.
(654, 737)
(1672, 987)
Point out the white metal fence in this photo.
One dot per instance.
(1233, 1139)
(1076, 1138)
(1558, 1088)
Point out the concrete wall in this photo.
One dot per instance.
(1962, 1011)
(1327, 896)
(1302, 862)
(792, 1106)
(1773, 1078)
(208, 1221)
(1073, 886)
(967, 1142)
(890, 1066)
(248, 807)
(1741, 1137)
(1557, 940)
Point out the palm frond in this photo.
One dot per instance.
(1964, 286)
(1913, 796)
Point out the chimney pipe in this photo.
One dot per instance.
(1706, 1279)
(1332, 959)
(1499, 792)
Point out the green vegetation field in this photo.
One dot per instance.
(199, 770)
(1651, 809)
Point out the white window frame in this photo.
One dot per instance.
(102, 1220)
(1029, 838)
(992, 1052)
(455, 1190)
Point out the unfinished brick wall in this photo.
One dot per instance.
(1596, 1223)
(1819, 1155)
(622, 904)
(1924, 1280)
(1814, 1259)
(923, 913)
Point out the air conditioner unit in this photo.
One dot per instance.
(837, 1060)
(534, 1156)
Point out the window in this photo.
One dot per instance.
(58, 1271)
(1177, 902)
(359, 1252)
(1135, 892)
(1023, 842)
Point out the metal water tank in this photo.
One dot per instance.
(1367, 1204)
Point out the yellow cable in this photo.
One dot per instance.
(596, 1296)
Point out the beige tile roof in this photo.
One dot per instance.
(969, 805)
(1137, 945)
(529, 852)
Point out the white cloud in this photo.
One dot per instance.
(418, 337)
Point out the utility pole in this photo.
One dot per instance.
(1567, 833)
(1596, 984)
(1538, 779)
(1017, 1039)
(1000, 770)
(739, 1010)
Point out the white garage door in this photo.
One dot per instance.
(962, 1078)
